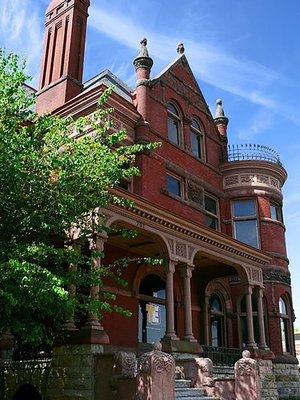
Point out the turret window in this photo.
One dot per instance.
(284, 325)
(276, 212)
(174, 124)
(197, 142)
(245, 226)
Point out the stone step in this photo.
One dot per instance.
(182, 383)
(182, 393)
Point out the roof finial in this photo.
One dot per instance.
(219, 109)
(220, 119)
(143, 60)
(143, 50)
(180, 48)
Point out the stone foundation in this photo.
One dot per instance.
(287, 379)
(268, 387)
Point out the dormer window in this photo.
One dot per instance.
(174, 124)
(197, 140)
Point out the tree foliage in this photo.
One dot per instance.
(51, 181)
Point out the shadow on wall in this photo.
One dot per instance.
(27, 392)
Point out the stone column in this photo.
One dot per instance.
(170, 329)
(98, 334)
(188, 328)
(261, 321)
(69, 324)
(206, 320)
(251, 341)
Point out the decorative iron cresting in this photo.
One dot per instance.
(240, 152)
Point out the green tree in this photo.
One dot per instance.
(50, 182)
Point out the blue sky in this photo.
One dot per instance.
(245, 52)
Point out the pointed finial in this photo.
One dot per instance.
(143, 60)
(219, 109)
(143, 50)
(180, 48)
(220, 119)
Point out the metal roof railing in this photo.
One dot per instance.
(260, 152)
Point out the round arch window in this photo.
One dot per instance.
(152, 309)
(217, 321)
(284, 325)
(197, 140)
(174, 124)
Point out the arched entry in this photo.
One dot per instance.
(27, 392)
(152, 309)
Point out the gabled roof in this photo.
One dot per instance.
(107, 78)
(183, 61)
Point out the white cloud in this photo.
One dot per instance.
(210, 63)
(260, 121)
(21, 31)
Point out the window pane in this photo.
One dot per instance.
(196, 144)
(282, 307)
(173, 130)
(216, 332)
(273, 210)
(211, 222)
(196, 125)
(172, 109)
(173, 185)
(246, 232)
(284, 335)
(215, 303)
(210, 205)
(244, 208)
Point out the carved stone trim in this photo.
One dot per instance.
(252, 179)
(278, 277)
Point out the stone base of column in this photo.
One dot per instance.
(86, 335)
(171, 345)
(262, 354)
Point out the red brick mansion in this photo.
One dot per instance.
(212, 210)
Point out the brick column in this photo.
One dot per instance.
(170, 329)
(188, 328)
(261, 321)
(251, 341)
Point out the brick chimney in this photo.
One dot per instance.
(62, 63)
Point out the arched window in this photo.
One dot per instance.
(217, 321)
(174, 124)
(284, 325)
(152, 309)
(197, 140)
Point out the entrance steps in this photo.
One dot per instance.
(184, 391)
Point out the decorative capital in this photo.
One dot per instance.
(187, 271)
(143, 60)
(170, 266)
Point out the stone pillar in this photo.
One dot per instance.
(251, 342)
(261, 321)
(156, 375)
(188, 328)
(98, 334)
(206, 320)
(170, 329)
(69, 324)
(247, 381)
